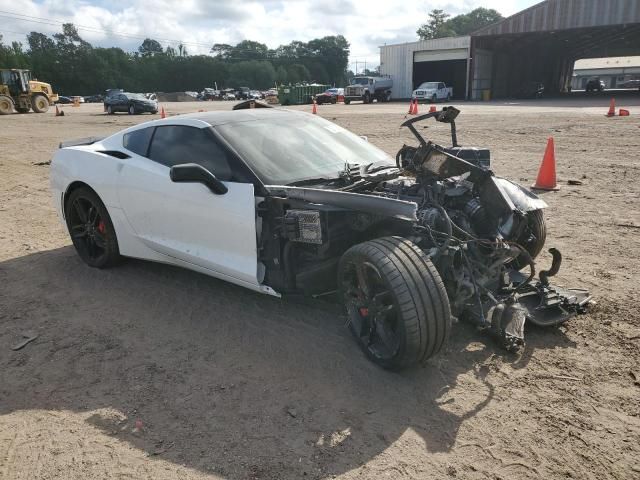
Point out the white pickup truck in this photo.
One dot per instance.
(432, 92)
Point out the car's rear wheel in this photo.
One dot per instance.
(132, 110)
(367, 98)
(109, 110)
(396, 302)
(532, 238)
(91, 229)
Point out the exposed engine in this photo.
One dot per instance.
(475, 227)
(481, 232)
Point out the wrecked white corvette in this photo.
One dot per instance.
(284, 202)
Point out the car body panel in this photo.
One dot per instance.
(156, 219)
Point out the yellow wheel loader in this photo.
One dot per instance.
(19, 92)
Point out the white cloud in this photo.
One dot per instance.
(201, 23)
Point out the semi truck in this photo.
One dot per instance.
(368, 89)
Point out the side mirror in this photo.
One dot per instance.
(194, 173)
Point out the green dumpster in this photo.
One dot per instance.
(299, 94)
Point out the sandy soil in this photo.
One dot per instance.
(149, 371)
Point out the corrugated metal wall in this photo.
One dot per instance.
(397, 60)
(567, 14)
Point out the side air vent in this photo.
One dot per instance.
(115, 153)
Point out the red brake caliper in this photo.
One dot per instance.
(101, 227)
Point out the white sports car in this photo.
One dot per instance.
(281, 201)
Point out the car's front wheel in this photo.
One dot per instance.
(91, 229)
(109, 110)
(132, 110)
(396, 303)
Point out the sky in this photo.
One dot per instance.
(198, 24)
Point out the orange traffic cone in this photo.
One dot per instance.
(624, 113)
(163, 114)
(415, 108)
(411, 107)
(315, 108)
(612, 108)
(59, 113)
(432, 109)
(547, 175)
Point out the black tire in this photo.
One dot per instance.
(367, 97)
(532, 238)
(405, 288)
(132, 110)
(334, 100)
(91, 229)
(40, 103)
(110, 110)
(347, 101)
(448, 97)
(6, 105)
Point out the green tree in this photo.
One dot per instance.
(221, 50)
(436, 26)
(474, 20)
(150, 48)
(249, 50)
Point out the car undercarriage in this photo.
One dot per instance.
(411, 248)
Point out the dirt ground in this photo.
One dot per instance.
(149, 371)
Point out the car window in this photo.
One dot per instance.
(176, 144)
(138, 141)
(441, 85)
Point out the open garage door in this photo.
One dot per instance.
(451, 72)
(448, 66)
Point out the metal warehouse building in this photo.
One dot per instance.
(539, 44)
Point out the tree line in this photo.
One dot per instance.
(441, 24)
(74, 67)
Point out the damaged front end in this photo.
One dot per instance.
(480, 231)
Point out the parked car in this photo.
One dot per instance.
(94, 98)
(229, 96)
(132, 103)
(209, 94)
(630, 84)
(284, 202)
(243, 93)
(64, 100)
(255, 95)
(433, 92)
(595, 85)
(329, 96)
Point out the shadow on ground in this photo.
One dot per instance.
(224, 380)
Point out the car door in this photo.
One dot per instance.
(187, 221)
(123, 103)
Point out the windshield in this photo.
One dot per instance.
(360, 81)
(136, 96)
(293, 148)
(430, 85)
(332, 90)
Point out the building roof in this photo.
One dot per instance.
(552, 15)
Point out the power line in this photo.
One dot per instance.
(56, 23)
